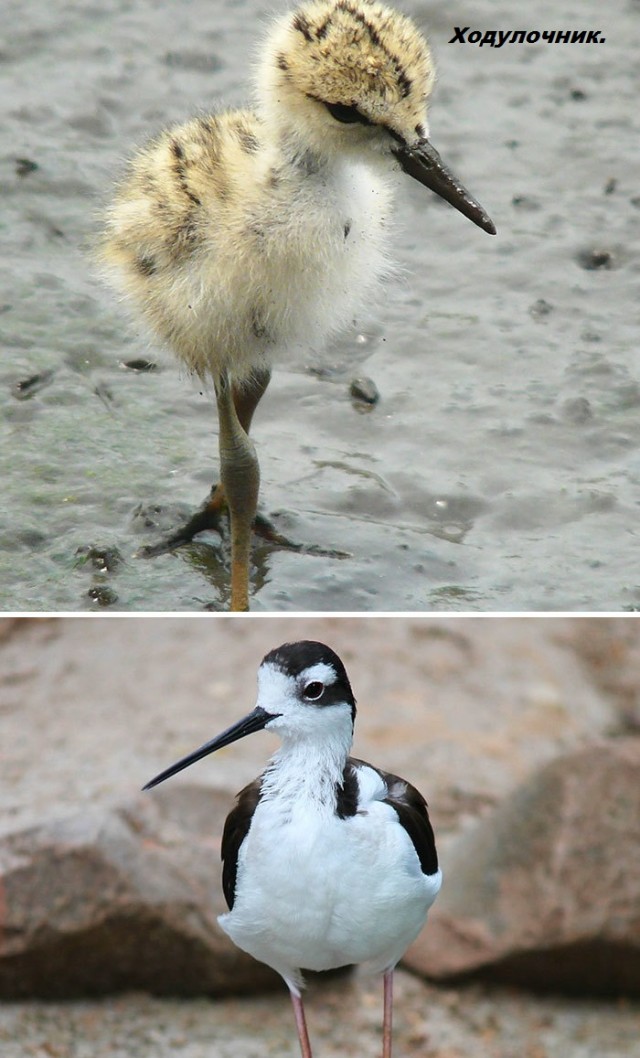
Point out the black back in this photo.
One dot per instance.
(412, 811)
(347, 792)
(407, 802)
(236, 828)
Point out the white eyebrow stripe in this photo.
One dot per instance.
(320, 671)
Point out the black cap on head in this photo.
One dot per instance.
(293, 658)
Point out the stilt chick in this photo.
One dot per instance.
(244, 236)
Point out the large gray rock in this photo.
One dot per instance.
(545, 892)
(121, 899)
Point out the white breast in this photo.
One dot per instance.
(317, 892)
(289, 268)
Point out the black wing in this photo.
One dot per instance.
(413, 814)
(236, 828)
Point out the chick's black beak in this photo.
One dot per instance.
(423, 163)
(255, 721)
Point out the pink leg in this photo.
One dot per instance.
(301, 1024)
(388, 1014)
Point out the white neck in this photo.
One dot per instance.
(307, 771)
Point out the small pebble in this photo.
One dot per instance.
(365, 391)
(525, 202)
(104, 559)
(140, 365)
(540, 308)
(595, 259)
(102, 595)
(27, 387)
(24, 166)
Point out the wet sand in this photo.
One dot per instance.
(499, 470)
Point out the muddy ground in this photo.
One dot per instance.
(499, 470)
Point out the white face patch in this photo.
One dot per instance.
(275, 689)
(281, 692)
(298, 701)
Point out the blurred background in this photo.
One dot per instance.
(523, 734)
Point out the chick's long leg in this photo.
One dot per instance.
(240, 479)
(246, 398)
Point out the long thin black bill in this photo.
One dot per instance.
(424, 164)
(255, 721)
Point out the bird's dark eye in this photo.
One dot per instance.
(347, 115)
(314, 690)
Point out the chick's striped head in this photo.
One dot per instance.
(355, 62)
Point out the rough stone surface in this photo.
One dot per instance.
(119, 899)
(467, 708)
(546, 891)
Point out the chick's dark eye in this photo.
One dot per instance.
(347, 115)
(314, 690)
